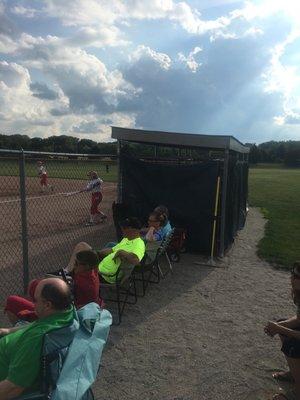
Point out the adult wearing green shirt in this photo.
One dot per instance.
(21, 347)
(130, 249)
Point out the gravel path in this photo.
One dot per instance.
(199, 333)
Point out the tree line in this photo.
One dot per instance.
(269, 152)
(287, 153)
(56, 144)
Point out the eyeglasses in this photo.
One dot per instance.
(152, 220)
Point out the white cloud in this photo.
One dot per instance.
(16, 101)
(98, 37)
(146, 53)
(61, 84)
(190, 61)
(284, 79)
(229, 35)
(22, 112)
(23, 11)
(83, 78)
(101, 125)
(290, 118)
(267, 8)
(97, 13)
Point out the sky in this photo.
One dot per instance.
(224, 67)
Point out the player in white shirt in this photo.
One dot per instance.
(94, 186)
(42, 173)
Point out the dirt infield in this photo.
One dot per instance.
(55, 224)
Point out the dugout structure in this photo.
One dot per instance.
(202, 179)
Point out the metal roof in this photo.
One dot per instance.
(178, 139)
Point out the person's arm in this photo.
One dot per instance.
(88, 188)
(274, 328)
(9, 390)
(144, 230)
(6, 331)
(150, 236)
(291, 323)
(104, 252)
(130, 257)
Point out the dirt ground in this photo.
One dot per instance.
(55, 224)
(199, 333)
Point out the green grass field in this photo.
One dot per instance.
(65, 169)
(277, 192)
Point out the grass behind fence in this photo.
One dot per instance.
(64, 169)
(277, 192)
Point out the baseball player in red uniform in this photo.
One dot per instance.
(42, 173)
(94, 186)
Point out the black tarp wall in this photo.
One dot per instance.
(187, 190)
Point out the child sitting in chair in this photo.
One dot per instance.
(85, 286)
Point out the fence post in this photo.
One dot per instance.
(223, 202)
(120, 172)
(24, 221)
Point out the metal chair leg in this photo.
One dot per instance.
(169, 262)
(119, 305)
(160, 270)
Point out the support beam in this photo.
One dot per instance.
(223, 202)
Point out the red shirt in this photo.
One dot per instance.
(86, 288)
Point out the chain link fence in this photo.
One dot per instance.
(41, 222)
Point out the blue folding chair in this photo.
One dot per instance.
(71, 356)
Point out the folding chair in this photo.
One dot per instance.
(177, 244)
(151, 265)
(163, 251)
(123, 285)
(79, 344)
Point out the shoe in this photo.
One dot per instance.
(283, 376)
(58, 272)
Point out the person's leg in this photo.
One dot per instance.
(294, 365)
(284, 376)
(79, 247)
(15, 305)
(93, 211)
(96, 215)
(44, 182)
(47, 185)
(109, 245)
(99, 200)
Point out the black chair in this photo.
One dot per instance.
(123, 286)
(149, 269)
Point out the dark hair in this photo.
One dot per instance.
(162, 210)
(87, 257)
(161, 218)
(60, 298)
(131, 222)
(296, 268)
(296, 265)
